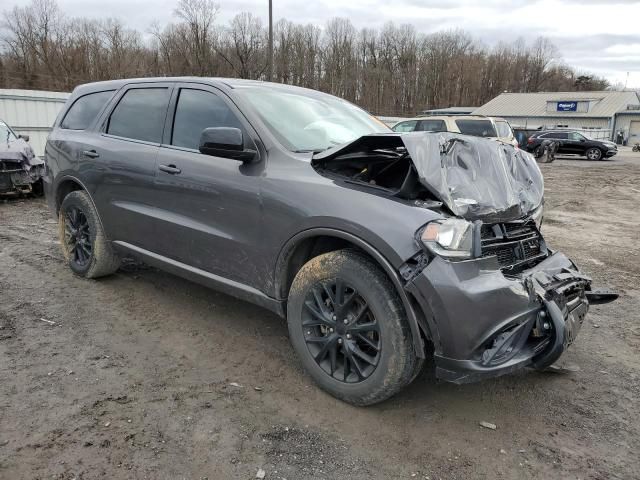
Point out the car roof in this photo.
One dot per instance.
(448, 117)
(220, 82)
(555, 131)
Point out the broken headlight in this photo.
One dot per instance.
(450, 238)
(537, 216)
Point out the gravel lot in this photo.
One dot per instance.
(145, 375)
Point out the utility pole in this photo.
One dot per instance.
(270, 51)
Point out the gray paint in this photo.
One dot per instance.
(233, 226)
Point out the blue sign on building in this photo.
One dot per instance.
(567, 106)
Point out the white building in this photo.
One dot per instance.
(606, 112)
(31, 112)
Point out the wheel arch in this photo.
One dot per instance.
(313, 242)
(65, 186)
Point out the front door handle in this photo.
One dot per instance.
(172, 169)
(90, 153)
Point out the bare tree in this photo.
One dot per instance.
(394, 70)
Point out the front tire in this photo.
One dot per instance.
(594, 154)
(84, 244)
(349, 329)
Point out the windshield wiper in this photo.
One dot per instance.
(315, 150)
(318, 150)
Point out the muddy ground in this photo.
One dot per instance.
(145, 375)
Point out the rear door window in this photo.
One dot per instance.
(409, 126)
(477, 128)
(432, 126)
(195, 111)
(85, 109)
(557, 135)
(140, 114)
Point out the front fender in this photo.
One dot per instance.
(375, 253)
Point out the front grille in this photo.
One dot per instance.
(516, 245)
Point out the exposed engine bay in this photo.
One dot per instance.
(494, 185)
(475, 178)
(20, 170)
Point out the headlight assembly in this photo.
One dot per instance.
(451, 238)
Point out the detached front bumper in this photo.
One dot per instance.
(485, 324)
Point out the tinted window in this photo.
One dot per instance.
(557, 135)
(504, 130)
(85, 109)
(409, 126)
(432, 126)
(477, 128)
(197, 110)
(140, 114)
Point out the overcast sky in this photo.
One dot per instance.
(599, 36)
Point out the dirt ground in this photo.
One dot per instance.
(145, 375)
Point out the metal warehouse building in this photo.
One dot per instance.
(31, 112)
(603, 113)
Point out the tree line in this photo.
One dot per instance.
(394, 70)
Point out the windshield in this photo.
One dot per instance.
(310, 122)
(6, 134)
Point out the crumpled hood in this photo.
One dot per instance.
(476, 178)
(18, 151)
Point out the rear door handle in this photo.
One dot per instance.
(90, 153)
(172, 169)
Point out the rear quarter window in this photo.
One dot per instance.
(85, 109)
(476, 128)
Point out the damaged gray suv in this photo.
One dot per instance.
(379, 248)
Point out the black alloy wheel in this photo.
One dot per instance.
(340, 331)
(77, 236)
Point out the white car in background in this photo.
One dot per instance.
(475, 125)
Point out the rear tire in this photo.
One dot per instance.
(84, 244)
(356, 345)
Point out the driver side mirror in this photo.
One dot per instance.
(226, 142)
(24, 137)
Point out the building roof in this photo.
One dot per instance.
(606, 104)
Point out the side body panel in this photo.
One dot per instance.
(208, 210)
(121, 179)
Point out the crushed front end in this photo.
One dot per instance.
(20, 170)
(494, 297)
(516, 305)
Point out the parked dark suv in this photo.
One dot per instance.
(574, 143)
(371, 243)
